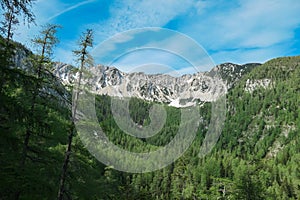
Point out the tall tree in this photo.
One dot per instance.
(44, 43)
(12, 10)
(84, 59)
(247, 184)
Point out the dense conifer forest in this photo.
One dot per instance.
(42, 156)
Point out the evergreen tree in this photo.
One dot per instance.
(85, 60)
(12, 10)
(45, 43)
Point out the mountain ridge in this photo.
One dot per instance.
(183, 91)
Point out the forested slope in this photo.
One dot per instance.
(42, 156)
(256, 157)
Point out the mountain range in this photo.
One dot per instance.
(186, 90)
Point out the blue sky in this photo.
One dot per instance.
(238, 31)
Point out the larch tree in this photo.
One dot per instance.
(13, 10)
(44, 43)
(84, 59)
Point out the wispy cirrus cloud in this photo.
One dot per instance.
(231, 31)
(48, 12)
(247, 26)
(262, 23)
(43, 10)
(126, 15)
(69, 8)
(152, 45)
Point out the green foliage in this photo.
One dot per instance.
(256, 157)
(13, 9)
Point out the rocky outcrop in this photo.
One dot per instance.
(186, 90)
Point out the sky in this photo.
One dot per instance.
(125, 31)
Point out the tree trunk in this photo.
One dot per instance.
(62, 181)
(68, 152)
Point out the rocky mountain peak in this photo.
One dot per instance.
(231, 73)
(186, 90)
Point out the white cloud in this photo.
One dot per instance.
(264, 27)
(262, 23)
(126, 15)
(141, 57)
(69, 8)
(253, 23)
(186, 48)
(150, 60)
(153, 45)
(109, 45)
(259, 55)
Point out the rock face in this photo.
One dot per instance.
(183, 91)
(252, 85)
(231, 73)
